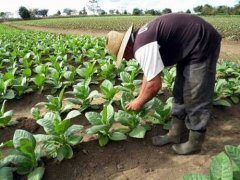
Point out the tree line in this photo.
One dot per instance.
(93, 7)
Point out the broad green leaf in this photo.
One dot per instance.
(106, 84)
(62, 126)
(110, 112)
(9, 95)
(117, 136)
(194, 176)
(22, 134)
(93, 94)
(35, 113)
(74, 140)
(138, 132)
(235, 99)
(126, 98)
(8, 144)
(222, 102)
(22, 163)
(39, 80)
(6, 173)
(45, 137)
(65, 151)
(72, 114)
(94, 118)
(123, 117)
(103, 140)
(36, 174)
(27, 72)
(27, 148)
(234, 154)
(96, 129)
(47, 125)
(74, 129)
(221, 167)
(125, 77)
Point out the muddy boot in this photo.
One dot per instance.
(194, 143)
(173, 136)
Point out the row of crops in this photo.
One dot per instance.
(82, 80)
(228, 26)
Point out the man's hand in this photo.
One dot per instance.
(148, 90)
(134, 105)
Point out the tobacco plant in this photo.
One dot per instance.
(161, 114)
(87, 71)
(108, 91)
(5, 92)
(82, 95)
(129, 83)
(5, 117)
(168, 78)
(101, 125)
(54, 103)
(133, 120)
(23, 159)
(225, 165)
(60, 135)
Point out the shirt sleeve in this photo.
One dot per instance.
(149, 58)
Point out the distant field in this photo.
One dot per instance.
(228, 26)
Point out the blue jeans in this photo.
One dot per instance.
(193, 92)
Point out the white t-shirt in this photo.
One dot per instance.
(149, 58)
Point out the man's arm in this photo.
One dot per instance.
(148, 90)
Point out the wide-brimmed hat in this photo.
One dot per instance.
(117, 43)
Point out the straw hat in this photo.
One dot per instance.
(117, 43)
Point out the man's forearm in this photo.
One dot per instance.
(144, 82)
(149, 89)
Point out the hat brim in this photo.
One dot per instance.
(123, 46)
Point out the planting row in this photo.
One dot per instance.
(228, 26)
(88, 81)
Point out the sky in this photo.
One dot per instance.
(55, 5)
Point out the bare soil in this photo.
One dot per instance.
(133, 158)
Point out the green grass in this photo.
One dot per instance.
(228, 26)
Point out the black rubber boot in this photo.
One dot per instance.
(173, 136)
(193, 145)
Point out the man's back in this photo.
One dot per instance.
(179, 36)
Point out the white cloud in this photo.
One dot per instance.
(55, 5)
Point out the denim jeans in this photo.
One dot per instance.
(193, 92)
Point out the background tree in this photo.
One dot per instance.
(5, 15)
(68, 11)
(208, 10)
(125, 12)
(117, 12)
(198, 9)
(166, 11)
(111, 11)
(102, 12)
(137, 12)
(93, 6)
(58, 13)
(150, 12)
(188, 11)
(236, 9)
(84, 12)
(42, 12)
(24, 12)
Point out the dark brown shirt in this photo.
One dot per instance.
(180, 38)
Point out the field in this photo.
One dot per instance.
(228, 26)
(63, 108)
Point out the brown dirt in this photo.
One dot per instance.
(229, 50)
(134, 158)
